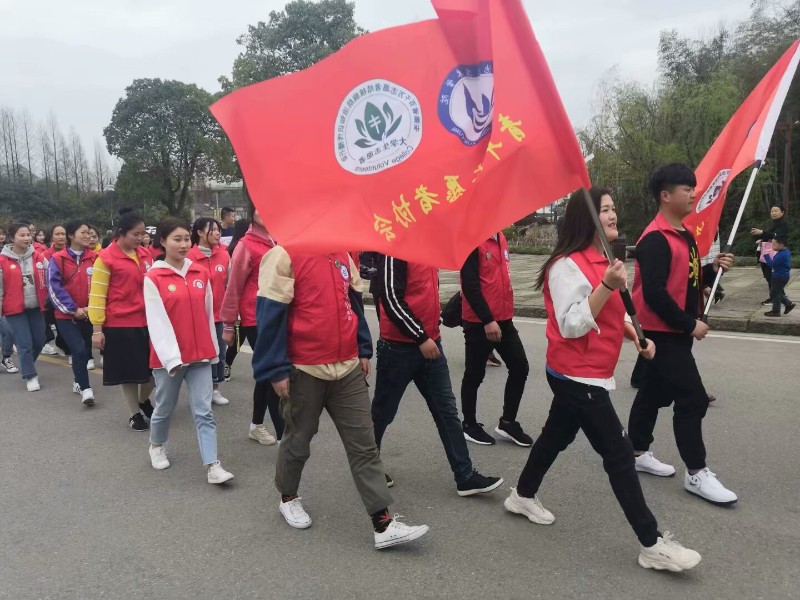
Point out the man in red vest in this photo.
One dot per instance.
(487, 312)
(668, 294)
(410, 349)
(314, 346)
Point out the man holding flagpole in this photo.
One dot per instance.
(667, 292)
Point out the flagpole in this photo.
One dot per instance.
(729, 244)
(623, 291)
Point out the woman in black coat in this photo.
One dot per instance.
(777, 228)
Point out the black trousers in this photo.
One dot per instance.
(578, 406)
(477, 350)
(767, 272)
(264, 397)
(671, 378)
(232, 351)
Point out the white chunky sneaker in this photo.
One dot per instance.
(668, 555)
(49, 349)
(33, 384)
(706, 485)
(76, 389)
(530, 507)
(218, 398)
(8, 365)
(87, 397)
(261, 434)
(647, 463)
(158, 457)
(294, 514)
(399, 533)
(90, 365)
(217, 475)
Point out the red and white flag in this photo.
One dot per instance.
(743, 142)
(417, 141)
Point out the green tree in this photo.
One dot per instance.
(293, 39)
(166, 133)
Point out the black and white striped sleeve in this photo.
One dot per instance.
(392, 277)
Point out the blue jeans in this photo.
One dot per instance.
(6, 338)
(168, 389)
(78, 336)
(28, 330)
(218, 370)
(398, 365)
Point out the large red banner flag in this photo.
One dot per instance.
(418, 141)
(743, 142)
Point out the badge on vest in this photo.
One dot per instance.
(506, 254)
(89, 271)
(198, 284)
(40, 265)
(171, 287)
(345, 273)
(488, 256)
(13, 266)
(220, 269)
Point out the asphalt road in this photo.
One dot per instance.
(84, 516)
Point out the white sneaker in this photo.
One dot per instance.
(90, 365)
(76, 389)
(706, 485)
(8, 365)
(647, 463)
(294, 514)
(158, 457)
(399, 533)
(33, 384)
(217, 475)
(49, 349)
(218, 398)
(87, 397)
(261, 434)
(530, 507)
(668, 555)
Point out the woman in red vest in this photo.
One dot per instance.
(239, 303)
(208, 252)
(585, 327)
(68, 281)
(116, 310)
(23, 290)
(179, 305)
(56, 241)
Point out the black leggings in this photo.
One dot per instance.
(232, 351)
(264, 397)
(578, 406)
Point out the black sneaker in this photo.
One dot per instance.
(789, 309)
(137, 423)
(478, 484)
(513, 431)
(147, 408)
(227, 372)
(389, 480)
(493, 361)
(476, 434)
(772, 313)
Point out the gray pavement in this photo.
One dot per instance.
(740, 311)
(84, 516)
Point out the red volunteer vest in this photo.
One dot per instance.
(257, 246)
(125, 301)
(322, 326)
(217, 266)
(76, 278)
(593, 355)
(422, 297)
(678, 280)
(495, 275)
(185, 303)
(13, 295)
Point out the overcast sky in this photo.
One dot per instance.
(76, 57)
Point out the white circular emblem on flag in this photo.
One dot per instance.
(379, 126)
(466, 102)
(712, 194)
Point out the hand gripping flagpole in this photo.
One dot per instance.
(729, 243)
(623, 291)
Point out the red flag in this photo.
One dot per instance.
(417, 141)
(744, 141)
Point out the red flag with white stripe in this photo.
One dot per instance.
(743, 142)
